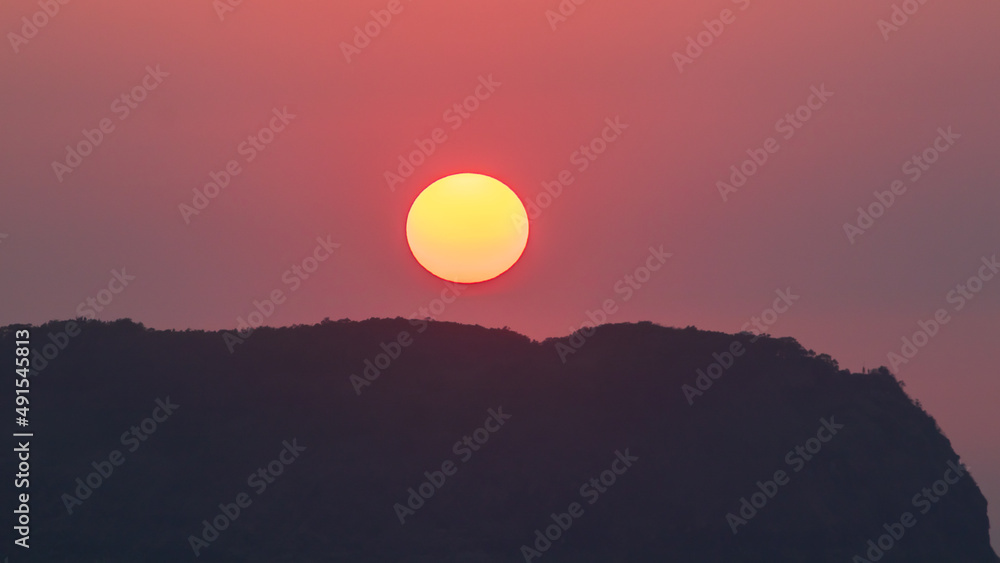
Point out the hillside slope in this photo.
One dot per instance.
(497, 431)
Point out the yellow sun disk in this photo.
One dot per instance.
(467, 228)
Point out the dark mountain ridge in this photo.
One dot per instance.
(350, 422)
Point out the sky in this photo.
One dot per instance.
(746, 136)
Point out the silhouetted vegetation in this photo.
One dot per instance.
(621, 389)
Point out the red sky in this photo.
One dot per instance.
(221, 79)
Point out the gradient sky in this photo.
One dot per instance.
(323, 174)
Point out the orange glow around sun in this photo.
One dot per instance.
(467, 228)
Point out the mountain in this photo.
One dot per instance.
(413, 440)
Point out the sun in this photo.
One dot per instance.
(467, 228)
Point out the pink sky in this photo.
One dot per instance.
(323, 175)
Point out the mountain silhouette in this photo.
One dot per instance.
(421, 441)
